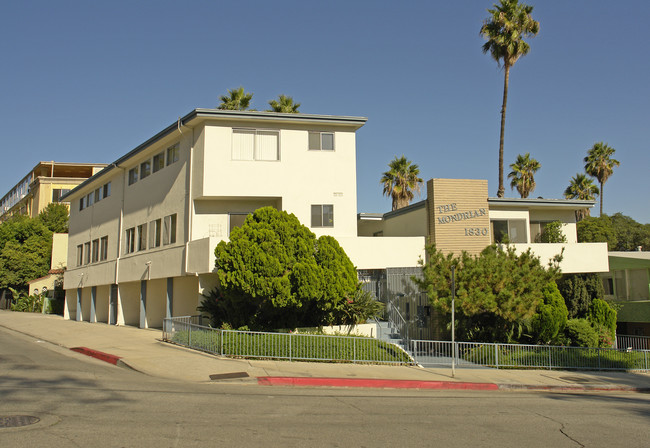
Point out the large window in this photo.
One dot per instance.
(133, 175)
(250, 144)
(129, 241)
(169, 229)
(142, 237)
(154, 233)
(321, 141)
(103, 249)
(322, 215)
(508, 230)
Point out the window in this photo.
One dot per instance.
(321, 141)
(154, 233)
(103, 248)
(87, 253)
(82, 203)
(236, 220)
(95, 258)
(169, 229)
(98, 194)
(89, 199)
(509, 230)
(158, 162)
(133, 175)
(80, 255)
(145, 169)
(58, 192)
(172, 154)
(129, 241)
(249, 144)
(322, 215)
(107, 190)
(142, 237)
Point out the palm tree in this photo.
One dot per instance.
(581, 187)
(599, 164)
(285, 105)
(523, 174)
(504, 31)
(236, 99)
(401, 181)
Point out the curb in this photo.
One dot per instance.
(372, 383)
(106, 357)
(515, 387)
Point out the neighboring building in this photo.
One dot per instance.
(143, 231)
(628, 284)
(44, 184)
(46, 284)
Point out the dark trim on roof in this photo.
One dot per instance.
(355, 122)
(407, 209)
(540, 202)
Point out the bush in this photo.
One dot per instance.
(580, 333)
(552, 233)
(28, 304)
(578, 291)
(600, 313)
(548, 323)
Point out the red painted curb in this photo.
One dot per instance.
(107, 357)
(371, 383)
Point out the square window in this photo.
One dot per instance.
(158, 162)
(133, 175)
(145, 169)
(155, 233)
(142, 237)
(169, 229)
(172, 154)
(95, 251)
(103, 250)
(321, 141)
(322, 215)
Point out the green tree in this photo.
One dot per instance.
(597, 230)
(236, 99)
(629, 233)
(497, 292)
(25, 251)
(284, 104)
(55, 217)
(583, 188)
(552, 233)
(580, 333)
(547, 324)
(274, 273)
(509, 23)
(600, 164)
(522, 176)
(401, 181)
(579, 290)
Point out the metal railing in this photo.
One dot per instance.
(632, 342)
(476, 354)
(289, 346)
(397, 323)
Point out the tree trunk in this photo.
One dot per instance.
(506, 79)
(601, 198)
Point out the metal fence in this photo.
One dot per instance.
(290, 346)
(633, 342)
(476, 355)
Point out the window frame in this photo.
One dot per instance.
(133, 175)
(80, 254)
(158, 162)
(320, 223)
(103, 248)
(170, 227)
(145, 169)
(95, 251)
(129, 241)
(87, 253)
(320, 140)
(141, 238)
(106, 190)
(173, 154)
(155, 233)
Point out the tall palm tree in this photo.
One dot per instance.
(581, 187)
(236, 99)
(599, 164)
(285, 105)
(504, 31)
(401, 181)
(523, 174)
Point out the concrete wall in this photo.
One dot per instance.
(383, 252)
(102, 303)
(128, 307)
(413, 223)
(577, 258)
(156, 303)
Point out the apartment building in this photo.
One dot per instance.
(47, 182)
(143, 230)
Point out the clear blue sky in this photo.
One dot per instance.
(86, 81)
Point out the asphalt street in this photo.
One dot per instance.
(80, 401)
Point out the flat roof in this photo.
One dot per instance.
(216, 114)
(540, 203)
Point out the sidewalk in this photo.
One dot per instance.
(142, 350)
